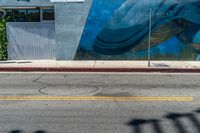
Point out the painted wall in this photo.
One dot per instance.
(118, 30)
(70, 19)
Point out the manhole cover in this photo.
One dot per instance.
(70, 90)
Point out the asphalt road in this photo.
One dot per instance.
(42, 115)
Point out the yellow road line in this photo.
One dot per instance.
(97, 98)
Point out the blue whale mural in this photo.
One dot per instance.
(121, 31)
(129, 24)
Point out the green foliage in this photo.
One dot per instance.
(3, 39)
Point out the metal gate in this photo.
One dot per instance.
(31, 40)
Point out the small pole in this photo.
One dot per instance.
(149, 45)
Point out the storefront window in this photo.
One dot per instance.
(33, 15)
(30, 15)
(9, 13)
(19, 15)
(23, 15)
(47, 14)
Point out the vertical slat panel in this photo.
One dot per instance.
(30, 41)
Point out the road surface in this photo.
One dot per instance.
(99, 103)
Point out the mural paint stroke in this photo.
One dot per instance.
(118, 29)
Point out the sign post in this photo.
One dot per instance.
(149, 44)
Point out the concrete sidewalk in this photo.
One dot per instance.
(98, 66)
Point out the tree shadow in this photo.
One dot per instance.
(40, 131)
(138, 123)
(175, 118)
(16, 131)
(197, 110)
(21, 131)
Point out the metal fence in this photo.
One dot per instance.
(31, 40)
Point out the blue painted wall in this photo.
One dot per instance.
(118, 30)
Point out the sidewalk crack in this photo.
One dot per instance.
(37, 79)
(94, 64)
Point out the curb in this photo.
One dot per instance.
(65, 69)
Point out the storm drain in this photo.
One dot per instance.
(70, 90)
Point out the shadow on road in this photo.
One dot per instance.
(21, 131)
(137, 125)
(175, 118)
(16, 131)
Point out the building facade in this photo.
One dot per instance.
(40, 29)
(103, 29)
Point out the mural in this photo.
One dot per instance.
(118, 30)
